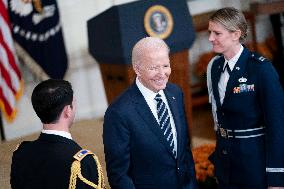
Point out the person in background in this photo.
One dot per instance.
(54, 160)
(248, 109)
(145, 131)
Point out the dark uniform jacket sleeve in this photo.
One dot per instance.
(272, 105)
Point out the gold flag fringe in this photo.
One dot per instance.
(30, 63)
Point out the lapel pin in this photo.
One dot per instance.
(173, 98)
(242, 80)
(238, 68)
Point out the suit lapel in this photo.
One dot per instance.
(216, 71)
(236, 73)
(145, 112)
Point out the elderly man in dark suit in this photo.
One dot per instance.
(145, 129)
(54, 160)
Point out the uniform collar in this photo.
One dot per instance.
(59, 133)
(232, 62)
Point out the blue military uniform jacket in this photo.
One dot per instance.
(249, 123)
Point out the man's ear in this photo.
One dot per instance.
(136, 69)
(67, 111)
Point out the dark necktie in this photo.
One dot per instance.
(228, 68)
(165, 124)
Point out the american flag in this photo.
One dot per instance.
(11, 84)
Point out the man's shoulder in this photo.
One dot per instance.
(173, 87)
(174, 90)
(22, 146)
(125, 97)
(83, 154)
(86, 164)
(24, 152)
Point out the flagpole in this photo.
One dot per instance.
(1, 128)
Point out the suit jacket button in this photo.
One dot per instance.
(224, 152)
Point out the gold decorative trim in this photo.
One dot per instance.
(158, 22)
(76, 173)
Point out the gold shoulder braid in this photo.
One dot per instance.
(76, 171)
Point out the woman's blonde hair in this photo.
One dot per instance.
(232, 20)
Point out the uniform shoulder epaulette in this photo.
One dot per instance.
(258, 57)
(76, 171)
(81, 154)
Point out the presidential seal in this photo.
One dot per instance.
(158, 22)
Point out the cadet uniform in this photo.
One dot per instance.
(54, 161)
(249, 123)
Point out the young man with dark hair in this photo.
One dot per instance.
(54, 160)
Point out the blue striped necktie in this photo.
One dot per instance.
(165, 124)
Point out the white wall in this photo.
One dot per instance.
(119, 2)
(200, 6)
(83, 72)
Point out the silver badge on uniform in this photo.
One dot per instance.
(242, 80)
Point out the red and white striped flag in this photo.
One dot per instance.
(11, 84)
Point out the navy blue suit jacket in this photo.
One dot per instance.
(135, 152)
(255, 161)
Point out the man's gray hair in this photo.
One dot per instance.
(147, 45)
